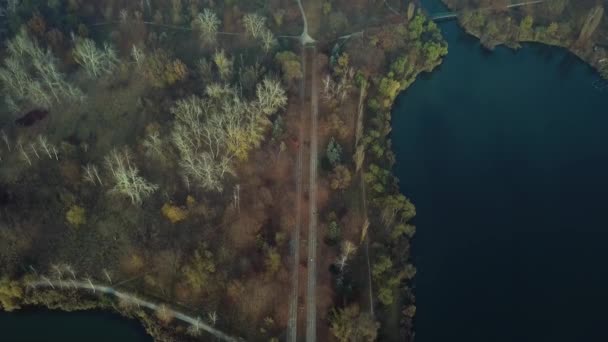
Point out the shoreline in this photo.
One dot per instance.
(80, 296)
(591, 53)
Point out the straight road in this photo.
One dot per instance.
(310, 54)
(308, 131)
(292, 328)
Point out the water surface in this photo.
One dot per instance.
(505, 155)
(38, 325)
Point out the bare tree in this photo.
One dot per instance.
(224, 64)
(211, 132)
(254, 24)
(91, 174)
(127, 181)
(268, 40)
(138, 55)
(271, 96)
(5, 139)
(207, 25)
(30, 76)
(96, 62)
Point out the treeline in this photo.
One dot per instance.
(580, 26)
(411, 47)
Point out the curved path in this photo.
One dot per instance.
(87, 285)
(305, 38)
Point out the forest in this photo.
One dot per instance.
(579, 26)
(149, 150)
(150, 153)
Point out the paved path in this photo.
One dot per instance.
(308, 97)
(292, 326)
(311, 295)
(452, 15)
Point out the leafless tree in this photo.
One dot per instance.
(207, 25)
(127, 180)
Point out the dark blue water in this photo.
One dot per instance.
(506, 157)
(58, 326)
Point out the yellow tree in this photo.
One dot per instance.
(10, 294)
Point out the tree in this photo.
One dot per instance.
(348, 248)
(416, 27)
(272, 261)
(386, 295)
(340, 178)
(333, 152)
(224, 64)
(290, 66)
(270, 96)
(393, 205)
(342, 65)
(254, 24)
(201, 140)
(377, 178)
(409, 272)
(200, 269)
(207, 25)
(525, 28)
(552, 29)
(389, 89)
(555, 8)
(138, 55)
(350, 325)
(174, 213)
(126, 178)
(381, 273)
(401, 67)
(403, 229)
(593, 20)
(164, 314)
(268, 40)
(473, 19)
(333, 231)
(96, 61)
(76, 216)
(433, 51)
(210, 132)
(382, 265)
(30, 76)
(604, 69)
(10, 294)
(161, 70)
(411, 8)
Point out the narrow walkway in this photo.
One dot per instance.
(311, 295)
(453, 15)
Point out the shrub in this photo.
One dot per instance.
(76, 216)
(174, 213)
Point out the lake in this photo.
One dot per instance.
(505, 155)
(39, 325)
